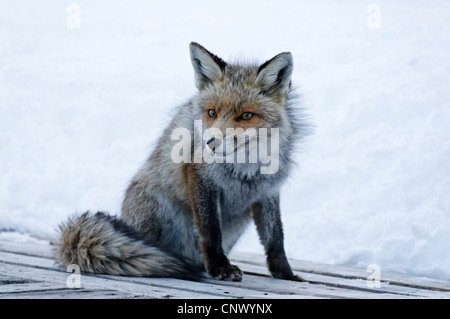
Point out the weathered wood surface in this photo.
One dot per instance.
(27, 270)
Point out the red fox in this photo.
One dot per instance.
(219, 164)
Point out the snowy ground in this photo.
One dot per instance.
(80, 109)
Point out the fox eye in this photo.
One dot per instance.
(212, 114)
(247, 116)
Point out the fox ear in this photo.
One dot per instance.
(274, 76)
(207, 66)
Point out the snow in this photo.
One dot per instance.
(81, 108)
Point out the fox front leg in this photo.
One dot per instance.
(266, 215)
(206, 219)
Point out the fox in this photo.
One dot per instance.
(181, 215)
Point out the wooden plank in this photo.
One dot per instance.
(68, 294)
(261, 283)
(349, 273)
(212, 287)
(324, 281)
(21, 288)
(224, 288)
(178, 288)
(250, 287)
(33, 247)
(27, 287)
(358, 287)
(8, 280)
(43, 248)
(58, 279)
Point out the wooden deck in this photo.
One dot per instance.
(28, 271)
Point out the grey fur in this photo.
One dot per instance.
(99, 243)
(157, 205)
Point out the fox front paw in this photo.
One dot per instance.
(227, 272)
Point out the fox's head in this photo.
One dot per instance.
(235, 101)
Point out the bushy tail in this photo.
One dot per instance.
(100, 243)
